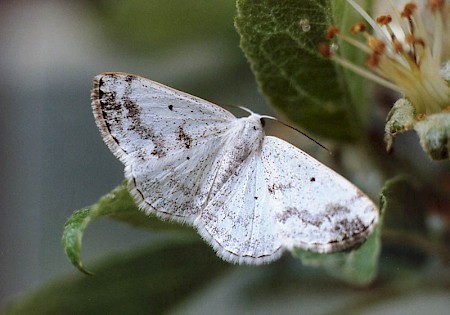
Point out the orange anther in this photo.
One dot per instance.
(332, 31)
(358, 28)
(384, 19)
(374, 60)
(408, 9)
(325, 50)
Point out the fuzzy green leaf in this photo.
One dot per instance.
(119, 205)
(150, 281)
(296, 79)
(72, 237)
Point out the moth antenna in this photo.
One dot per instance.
(245, 109)
(299, 131)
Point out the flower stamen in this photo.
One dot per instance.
(408, 61)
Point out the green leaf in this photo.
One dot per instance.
(296, 79)
(72, 236)
(150, 281)
(119, 205)
(357, 267)
(403, 205)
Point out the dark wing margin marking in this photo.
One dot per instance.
(97, 108)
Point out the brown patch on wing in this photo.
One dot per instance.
(182, 136)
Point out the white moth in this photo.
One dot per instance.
(249, 195)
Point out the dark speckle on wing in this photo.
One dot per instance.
(124, 108)
(182, 136)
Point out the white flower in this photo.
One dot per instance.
(404, 56)
(406, 53)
